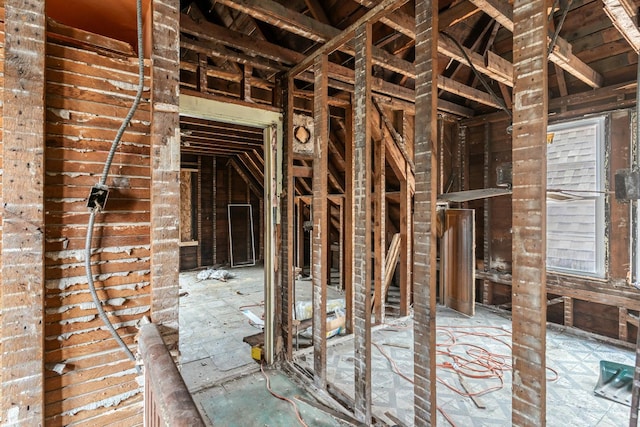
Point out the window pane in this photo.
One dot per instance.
(575, 203)
(571, 235)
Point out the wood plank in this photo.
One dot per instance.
(349, 179)
(529, 295)
(449, 48)
(362, 224)
(23, 216)
(624, 16)
(379, 228)
(501, 11)
(338, 40)
(165, 168)
(468, 92)
(280, 16)
(320, 242)
(424, 235)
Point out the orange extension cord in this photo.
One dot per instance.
(471, 360)
(276, 395)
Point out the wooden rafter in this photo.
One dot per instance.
(276, 14)
(624, 16)
(502, 11)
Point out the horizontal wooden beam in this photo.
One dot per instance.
(450, 49)
(280, 16)
(467, 92)
(624, 16)
(502, 11)
(371, 16)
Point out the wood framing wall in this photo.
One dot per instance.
(75, 373)
(23, 218)
(217, 182)
(594, 305)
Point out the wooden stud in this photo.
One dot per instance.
(246, 83)
(529, 212)
(203, 73)
(623, 330)
(568, 311)
(165, 168)
(23, 243)
(502, 11)
(362, 224)
(379, 222)
(406, 222)
(487, 286)
(289, 274)
(349, 179)
(320, 221)
(424, 265)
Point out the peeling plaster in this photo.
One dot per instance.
(82, 319)
(105, 403)
(63, 114)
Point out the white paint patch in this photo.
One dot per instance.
(105, 403)
(13, 415)
(126, 86)
(63, 114)
(166, 108)
(116, 302)
(82, 319)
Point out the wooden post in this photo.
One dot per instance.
(406, 222)
(568, 310)
(23, 221)
(289, 222)
(165, 168)
(379, 222)
(529, 212)
(348, 216)
(487, 286)
(203, 81)
(623, 329)
(320, 219)
(362, 224)
(424, 263)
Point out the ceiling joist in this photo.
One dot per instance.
(502, 11)
(278, 15)
(624, 16)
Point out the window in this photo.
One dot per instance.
(575, 197)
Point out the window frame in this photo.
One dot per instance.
(599, 196)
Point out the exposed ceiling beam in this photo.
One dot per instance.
(276, 14)
(448, 48)
(340, 39)
(468, 92)
(502, 11)
(457, 13)
(624, 16)
(263, 54)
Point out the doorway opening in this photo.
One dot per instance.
(226, 267)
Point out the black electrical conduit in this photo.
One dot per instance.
(498, 100)
(98, 195)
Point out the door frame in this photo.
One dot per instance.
(272, 124)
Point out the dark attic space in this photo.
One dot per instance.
(319, 213)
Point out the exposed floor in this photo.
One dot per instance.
(572, 361)
(212, 325)
(219, 371)
(246, 401)
(216, 364)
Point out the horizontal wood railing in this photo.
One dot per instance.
(167, 401)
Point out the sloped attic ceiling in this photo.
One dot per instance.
(267, 37)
